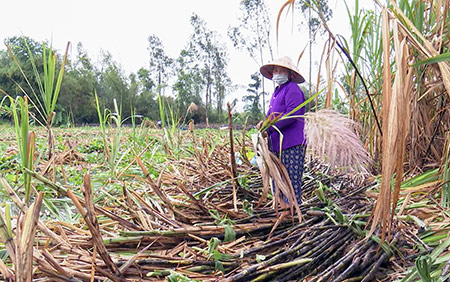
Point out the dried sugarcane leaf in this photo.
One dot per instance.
(25, 240)
(380, 214)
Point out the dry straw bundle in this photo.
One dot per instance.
(332, 137)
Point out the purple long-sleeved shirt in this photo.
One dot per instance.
(286, 98)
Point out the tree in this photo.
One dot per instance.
(114, 85)
(160, 63)
(188, 86)
(10, 75)
(145, 101)
(212, 60)
(314, 23)
(222, 82)
(77, 90)
(252, 99)
(253, 34)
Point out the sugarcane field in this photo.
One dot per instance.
(285, 141)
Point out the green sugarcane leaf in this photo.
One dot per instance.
(442, 259)
(436, 59)
(423, 265)
(219, 266)
(230, 234)
(60, 78)
(213, 244)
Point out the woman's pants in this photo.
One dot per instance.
(293, 159)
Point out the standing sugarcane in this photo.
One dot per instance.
(49, 87)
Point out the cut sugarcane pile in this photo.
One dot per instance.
(195, 223)
(204, 238)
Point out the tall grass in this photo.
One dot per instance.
(170, 121)
(19, 110)
(49, 85)
(111, 149)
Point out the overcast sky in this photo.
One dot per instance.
(122, 28)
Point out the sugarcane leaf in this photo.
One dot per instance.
(339, 215)
(218, 265)
(436, 59)
(213, 244)
(260, 258)
(177, 277)
(423, 265)
(8, 220)
(319, 192)
(434, 238)
(442, 259)
(230, 234)
(160, 273)
(416, 220)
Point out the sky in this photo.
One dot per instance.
(123, 27)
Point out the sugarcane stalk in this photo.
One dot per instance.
(57, 277)
(373, 270)
(125, 266)
(197, 230)
(354, 279)
(333, 236)
(198, 203)
(277, 267)
(51, 260)
(96, 236)
(94, 227)
(354, 265)
(200, 268)
(233, 166)
(252, 269)
(63, 192)
(319, 252)
(337, 250)
(340, 263)
(148, 209)
(273, 243)
(305, 225)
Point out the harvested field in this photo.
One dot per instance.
(181, 224)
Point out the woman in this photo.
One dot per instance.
(286, 97)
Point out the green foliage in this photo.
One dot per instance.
(254, 31)
(36, 67)
(177, 277)
(314, 22)
(76, 100)
(211, 58)
(230, 234)
(252, 99)
(24, 138)
(215, 254)
(160, 63)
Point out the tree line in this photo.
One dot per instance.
(198, 75)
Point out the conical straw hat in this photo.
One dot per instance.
(285, 62)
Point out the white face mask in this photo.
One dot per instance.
(280, 78)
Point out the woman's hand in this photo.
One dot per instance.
(258, 126)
